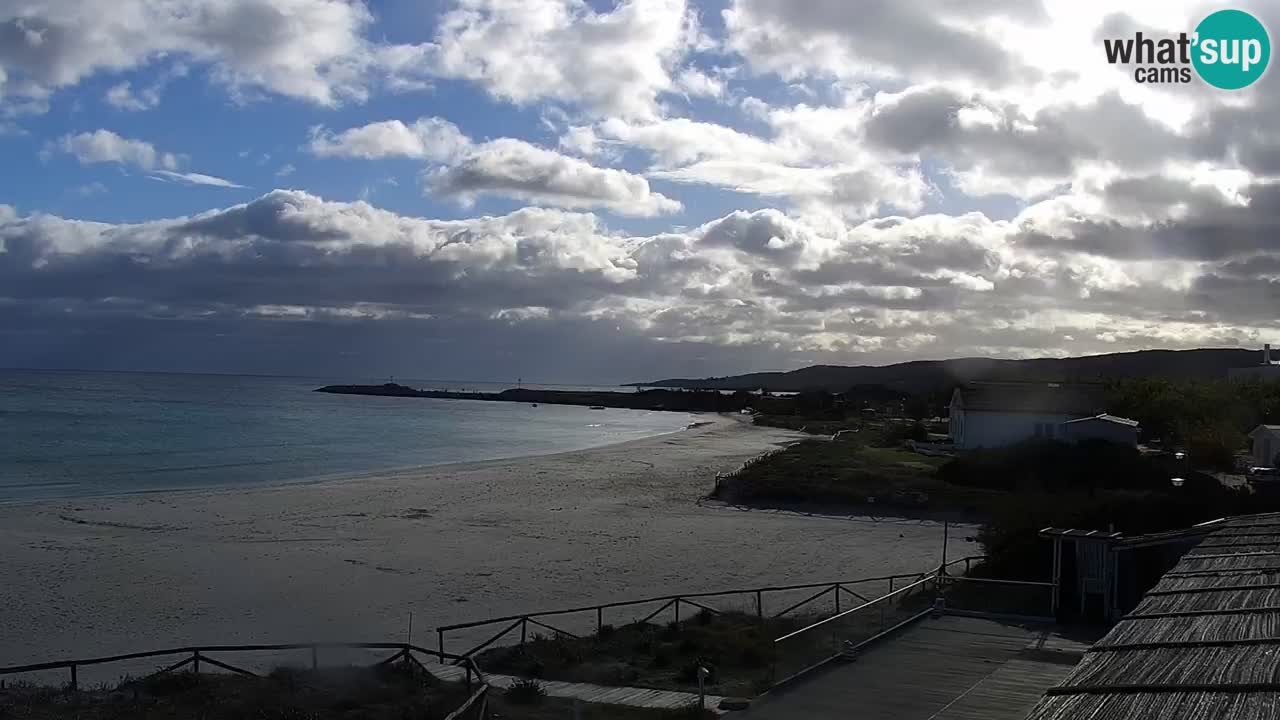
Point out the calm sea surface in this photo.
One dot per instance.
(71, 434)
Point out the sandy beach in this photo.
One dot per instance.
(351, 558)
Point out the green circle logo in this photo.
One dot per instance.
(1231, 49)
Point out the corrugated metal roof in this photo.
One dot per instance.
(1203, 643)
(1049, 398)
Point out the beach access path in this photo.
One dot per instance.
(586, 692)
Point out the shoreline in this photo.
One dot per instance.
(351, 558)
(373, 473)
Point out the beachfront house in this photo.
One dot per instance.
(1000, 414)
(1266, 445)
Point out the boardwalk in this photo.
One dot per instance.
(586, 692)
(948, 668)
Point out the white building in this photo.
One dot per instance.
(1266, 445)
(999, 414)
(1267, 371)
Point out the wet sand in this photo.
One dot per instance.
(351, 558)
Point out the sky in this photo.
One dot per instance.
(613, 191)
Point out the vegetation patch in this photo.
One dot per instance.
(735, 648)
(381, 693)
(862, 469)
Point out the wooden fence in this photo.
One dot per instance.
(835, 592)
(196, 656)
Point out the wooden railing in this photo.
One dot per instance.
(835, 592)
(477, 687)
(802, 651)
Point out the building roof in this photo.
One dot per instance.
(1033, 397)
(1202, 643)
(1269, 428)
(1104, 417)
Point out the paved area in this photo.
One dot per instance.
(586, 692)
(947, 668)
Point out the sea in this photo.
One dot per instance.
(67, 434)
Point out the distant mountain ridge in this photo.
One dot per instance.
(930, 376)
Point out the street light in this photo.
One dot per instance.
(1177, 482)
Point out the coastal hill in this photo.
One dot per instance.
(932, 376)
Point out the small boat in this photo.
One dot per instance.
(596, 407)
(534, 404)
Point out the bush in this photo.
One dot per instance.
(170, 683)
(895, 434)
(605, 632)
(1047, 466)
(752, 657)
(525, 692)
(661, 659)
(688, 673)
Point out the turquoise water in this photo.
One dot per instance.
(75, 434)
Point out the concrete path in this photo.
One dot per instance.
(948, 668)
(586, 692)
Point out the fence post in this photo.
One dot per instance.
(677, 607)
(195, 662)
(74, 682)
(440, 633)
(966, 566)
(759, 606)
(837, 598)
(524, 629)
(599, 619)
(468, 677)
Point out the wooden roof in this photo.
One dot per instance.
(1203, 643)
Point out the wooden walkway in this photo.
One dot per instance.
(948, 668)
(586, 692)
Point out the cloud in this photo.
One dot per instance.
(581, 140)
(609, 63)
(192, 178)
(873, 181)
(506, 166)
(885, 38)
(91, 189)
(313, 50)
(769, 283)
(102, 146)
(428, 138)
(121, 97)
(286, 170)
(696, 83)
(518, 169)
(814, 159)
